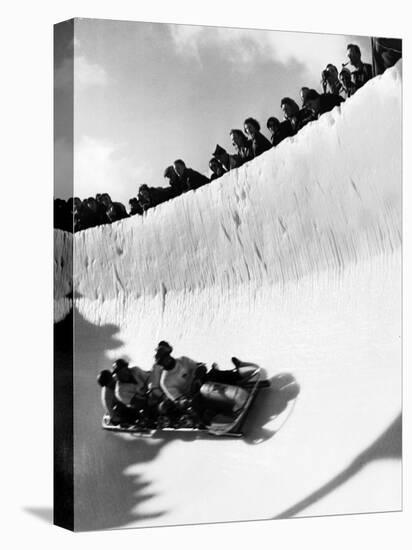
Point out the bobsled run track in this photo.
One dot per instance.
(292, 261)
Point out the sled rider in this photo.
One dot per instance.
(107, 382)
(117, 411)
(131, 384)
(175, 378)
(180, 379)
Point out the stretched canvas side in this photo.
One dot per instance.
(63, 277)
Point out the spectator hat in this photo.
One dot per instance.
(218, 151)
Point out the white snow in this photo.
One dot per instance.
(291, 261)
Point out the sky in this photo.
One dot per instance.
(146, 94)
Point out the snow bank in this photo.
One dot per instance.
(324, 199)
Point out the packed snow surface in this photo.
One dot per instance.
(291, 261)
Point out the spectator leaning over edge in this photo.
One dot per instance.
(259, 143)
(189, 178)
(216, 168)
(144, 197)
(278, 130)
(305, 114)
(330, 80)
(135, 207)
(116, 211)
(297, 118)
(348, 87)
(229, 162)
(360, 72)
(321, 103)
(101, 209)
(175, 184)
(241, 144)
(385, 53)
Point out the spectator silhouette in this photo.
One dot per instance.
(296, 117)
(321, 103)
(105, 200)
(303, 92)
(144, 198)
(330, 80)
(278, 130)
(229, 162)
(385, 53)
(93, 212)
(171, 174)
(216, 168)
(242, 145)
(305, 114)
(86, 217)
(258, 142)
(135, 207)
(360, 72)
(348, 87)
(189, 178)
(115, 211)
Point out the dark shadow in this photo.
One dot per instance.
(45, 514)
(270, 404)
(106, 495)
(387, 447)
(63, 490)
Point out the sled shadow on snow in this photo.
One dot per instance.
(271, 405)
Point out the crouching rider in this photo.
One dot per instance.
(186, 385)
(131, 388)
(112, 407)
(175, 382)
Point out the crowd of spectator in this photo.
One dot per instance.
(336, 87)
(76, 214)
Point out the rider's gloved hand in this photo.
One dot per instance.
(183, 403)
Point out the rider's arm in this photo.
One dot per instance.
(125, 393)
(168, 391)
(154, 379)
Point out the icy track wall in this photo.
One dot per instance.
(291, 261)
(320, 201)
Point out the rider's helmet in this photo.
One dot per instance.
(163, 349)
(104, 378)
(119, 364)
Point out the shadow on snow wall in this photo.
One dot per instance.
(386, 447)
(105, 495)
